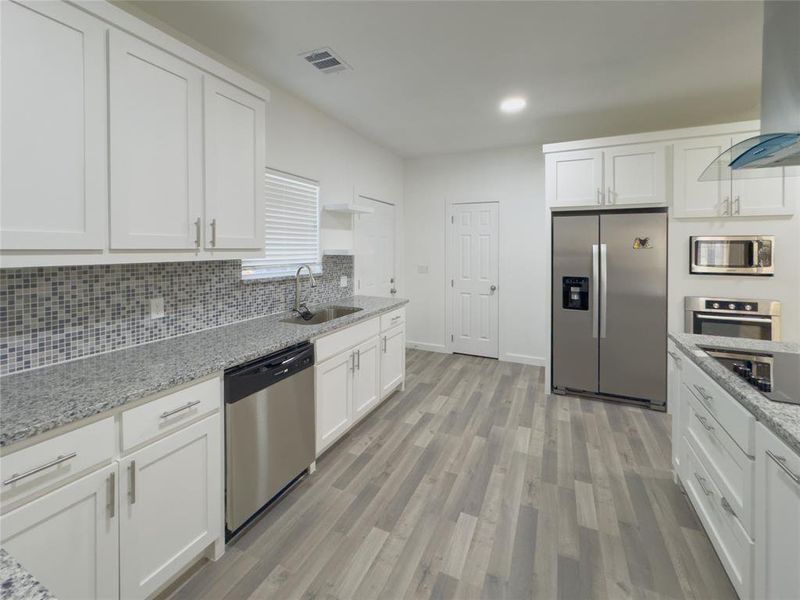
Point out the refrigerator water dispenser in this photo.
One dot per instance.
(575, 293)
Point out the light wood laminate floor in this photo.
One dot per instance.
(475, 483)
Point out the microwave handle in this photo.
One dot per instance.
(735, 318)
(756, 253)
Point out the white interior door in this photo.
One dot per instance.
(473, 271)
(375, 248)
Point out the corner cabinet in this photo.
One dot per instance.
(625, 175)
(121, 144)
(356, 369)
(777, 563)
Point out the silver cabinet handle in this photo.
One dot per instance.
(727, 505)
(595, 290)
(358, 356)
(702, 482)
(213, 233)
(781, 461)
(56, 461)
(396, 318)
(599, 196)
(603, 288)
(702, 391)
(610, 195)
(112, 495)
(132, 486)
(674, 356)
(726, 206)
(175, 411)
(384, 344)
(197, 232)
(353, 361)
(738, 204)
(492, 288)
(704, 422)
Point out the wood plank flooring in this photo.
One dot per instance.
(473, 483)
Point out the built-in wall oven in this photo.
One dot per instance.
(734, 317)
(732, 254)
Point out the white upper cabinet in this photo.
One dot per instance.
(156, 150)
(54, 161)
(773, 192)
(635, 174)
(693, 198)
(235, 156)
(575, 178)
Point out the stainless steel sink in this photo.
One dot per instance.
(323, 315)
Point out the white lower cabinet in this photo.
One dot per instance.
(674, 405)
(69, 538)
(393, 359)
(777, 563)
(169, 505)
(359, 366)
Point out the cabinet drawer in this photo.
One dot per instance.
(333, 344)
(393, 319)
(734, 547)
(733, 417)
(731, 469)
(170, 412)
(53, 461)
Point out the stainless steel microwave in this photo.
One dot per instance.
(732, 254)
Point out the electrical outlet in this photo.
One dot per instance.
(343, 281)
(156, 308)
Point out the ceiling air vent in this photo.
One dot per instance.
(325, 60)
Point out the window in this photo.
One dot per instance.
(291, 226)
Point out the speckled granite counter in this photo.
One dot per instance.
(36, 401)
(781, 418)
(17, 584)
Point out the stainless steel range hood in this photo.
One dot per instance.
(779, 142)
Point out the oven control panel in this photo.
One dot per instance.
(734, 305)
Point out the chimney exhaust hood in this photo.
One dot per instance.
(779, 142)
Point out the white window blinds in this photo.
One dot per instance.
(291, 225)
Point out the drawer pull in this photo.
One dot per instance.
(112, 494)
(175, 411)
(702, 482)
(384, 344)
(56, 461)
(674, 356)
(702, 391)
(781, 461)
(396, 318)
(727, 505)
(704, 422)
(132, 482)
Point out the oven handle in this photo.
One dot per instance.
(732, 318)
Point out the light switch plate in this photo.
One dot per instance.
(343, 281)
(156, 308)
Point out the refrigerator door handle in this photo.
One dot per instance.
(603, 287)
(595, 289)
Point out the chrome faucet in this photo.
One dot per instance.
(297, 303)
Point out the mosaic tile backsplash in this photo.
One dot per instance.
(50, 315)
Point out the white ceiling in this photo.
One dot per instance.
(427, 76)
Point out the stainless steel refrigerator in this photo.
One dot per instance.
(609, 305)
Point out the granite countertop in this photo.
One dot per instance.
(781, 418)
(33, 402)
(17, 584)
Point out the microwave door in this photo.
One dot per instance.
(757, 328)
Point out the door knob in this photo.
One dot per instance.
(493, 287)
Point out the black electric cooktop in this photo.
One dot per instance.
(775, 374)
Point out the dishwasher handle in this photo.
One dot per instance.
(257, 375)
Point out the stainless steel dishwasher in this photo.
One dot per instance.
(269, 430)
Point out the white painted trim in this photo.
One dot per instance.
(655, 136)
(125, 21)
(524, 359)
(427, 347)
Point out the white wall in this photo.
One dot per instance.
(783, 286)
(514, 177)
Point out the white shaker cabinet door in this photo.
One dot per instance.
(574, 179)
(777, 509)
(54, 158)
(333, 381)
(234, 157)
(156, 147)
(678, 412)
(393, 359)
(764, 192)
(636, 174)
(170, 506)
(67, 539)
(367, 377)
(693, 198)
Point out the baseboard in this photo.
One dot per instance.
(426, 346)
(525, 359)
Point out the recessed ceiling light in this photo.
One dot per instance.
(513, 104)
